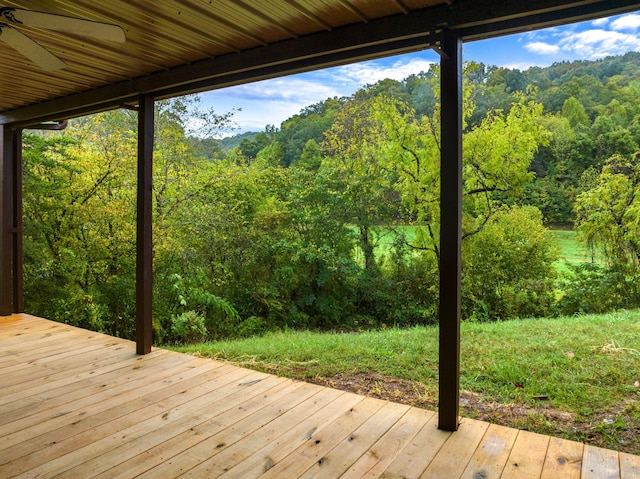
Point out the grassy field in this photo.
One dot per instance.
(572, 251)
(574, 377)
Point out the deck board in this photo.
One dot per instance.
(492, 454)
(564, 460)
(76, 403)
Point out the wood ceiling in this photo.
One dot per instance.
(176, 47)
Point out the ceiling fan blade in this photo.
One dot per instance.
(30, 49)
(50, 21)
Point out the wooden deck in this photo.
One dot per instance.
(79, 404)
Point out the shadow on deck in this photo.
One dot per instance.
(80, 404)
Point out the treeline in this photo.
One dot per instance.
(591, 111)
(331, 220)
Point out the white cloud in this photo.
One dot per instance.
(290, 89)
(542, 48)
(270, 102)
(600, 22)
(360, 74)
(627, 22)
(598, 43)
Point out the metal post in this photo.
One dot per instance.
(6, 220)
(144, 243)
(450, 230)
(18, 269)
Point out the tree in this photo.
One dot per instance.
(574, 111)
(309, 124)
(608, 213)
(496, 158)
(79, 226)
(608, 220)
(508, 268)
(79, 207)
(380, 150)
(353, 166)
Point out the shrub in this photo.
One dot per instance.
(592, 288)
(188, 328)
(508, 267)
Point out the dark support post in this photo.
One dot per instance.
(450, 230)
(11, 281)
(18, 269)
(144, 243)
(6, 220)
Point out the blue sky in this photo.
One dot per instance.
(270, 102)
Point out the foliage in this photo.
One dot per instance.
(79, 212)
(508, 267)
(332, 220)
(188, 328)
(77, 233)
(608, 213)
(353, 168)
(496, 153)
(592, 288)
(608, 218)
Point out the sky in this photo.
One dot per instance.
(270, 102)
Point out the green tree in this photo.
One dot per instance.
(80, 211)
(78, 208)
(508, 267)
(574, 111)
(608, 213)
(354, 167)
(309, 125)
(497, 154)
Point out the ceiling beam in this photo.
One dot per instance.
(403, 33)
(542, 18)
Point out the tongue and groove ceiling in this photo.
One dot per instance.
(177, 47)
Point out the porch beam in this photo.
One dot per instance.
(475, 19)
(144, 240)
(450, 229)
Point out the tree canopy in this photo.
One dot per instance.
(332, 219)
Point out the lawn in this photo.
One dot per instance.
(572, 252)
(573, 377)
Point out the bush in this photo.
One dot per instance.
(411, 282)
(508, 267)
(188, 328)
(591, 288)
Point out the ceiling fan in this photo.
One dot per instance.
(10, 18)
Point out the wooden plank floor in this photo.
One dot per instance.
(79, 404)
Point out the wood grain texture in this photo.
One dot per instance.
(75, 403)
(564, 460)
(629, 466)
(492, 454)
(599, 463)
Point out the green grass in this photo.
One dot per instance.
(584, 366)
(572, 251)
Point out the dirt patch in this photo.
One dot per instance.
(376, 385)
(616, 428)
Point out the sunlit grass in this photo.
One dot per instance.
(579, 364)
(572, 252)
